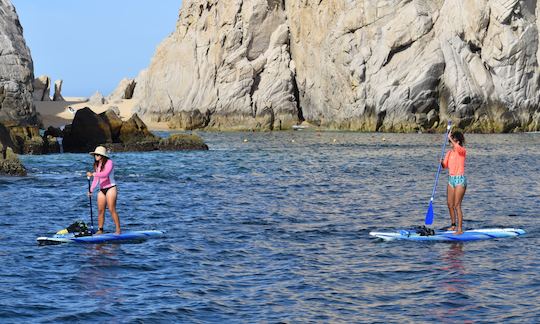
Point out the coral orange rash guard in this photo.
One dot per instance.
(455, 160)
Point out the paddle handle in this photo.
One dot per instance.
(429, 215)
(448, 127)
(91, 213)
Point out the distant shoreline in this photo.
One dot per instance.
(57, 113)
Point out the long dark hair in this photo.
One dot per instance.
(103, 161)
(458, 137)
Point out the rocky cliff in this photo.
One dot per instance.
(393, 65)
(16, 71)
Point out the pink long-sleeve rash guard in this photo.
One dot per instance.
(104, 178)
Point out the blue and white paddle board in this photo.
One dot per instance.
(126, 237)
(450, 236)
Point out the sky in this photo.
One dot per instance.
(93, 44)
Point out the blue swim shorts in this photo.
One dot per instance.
(459, 180)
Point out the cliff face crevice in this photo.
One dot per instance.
(397, 65)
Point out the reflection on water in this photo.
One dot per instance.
(453, 264)
(455, 283)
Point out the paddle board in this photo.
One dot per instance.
(450, 236)
(126, 237)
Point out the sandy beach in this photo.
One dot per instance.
(57, 113)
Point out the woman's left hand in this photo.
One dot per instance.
(89, 174)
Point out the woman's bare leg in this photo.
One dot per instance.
(459, 193)
(112, 194)
(101, 202)
(450, 197)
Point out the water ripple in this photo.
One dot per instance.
(275, 229)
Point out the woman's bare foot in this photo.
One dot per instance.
(99, 232)
(452, 228)
(118, 232)
(459, 231)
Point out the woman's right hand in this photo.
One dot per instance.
(88, 174)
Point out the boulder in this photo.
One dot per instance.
(51, 139)
(124, 90)
(51, 145)
(53, 132)
(177, 142)
(9, 162)
(6, 138)
(27, 140)
(42, 88)
(115, 123)
(135, 130)
(58, 91)
(90, 130)
(97, 99)
(87, 131)
(34, 146)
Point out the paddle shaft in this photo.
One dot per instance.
(91, 213)
(440, 164)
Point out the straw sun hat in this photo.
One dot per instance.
(100, 150)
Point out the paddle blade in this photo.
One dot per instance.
(429, 214)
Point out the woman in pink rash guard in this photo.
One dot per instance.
(104, 176)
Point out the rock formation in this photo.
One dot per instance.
(177, 142)
(111, 117)
(16, 71)
(230, 61)
(9, 162)
(124, 90)
(86, 132)
(134, 130)
(42, 88)
(97, 99)
(27, 140)
(58, 91)
(90, 129)
(396, 65)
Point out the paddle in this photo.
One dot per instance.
(91, 214)
(429, 214)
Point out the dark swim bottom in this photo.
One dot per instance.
(104, 190)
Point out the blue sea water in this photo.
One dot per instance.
(273, 227)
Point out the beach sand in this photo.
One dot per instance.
(57, 114)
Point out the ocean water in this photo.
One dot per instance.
(273, 228)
